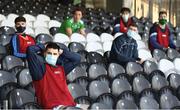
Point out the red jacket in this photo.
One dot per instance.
(124, 28)
(52, 89)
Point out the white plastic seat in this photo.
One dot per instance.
(144, 54)
(54, 23)
(7, 22)
(166, 66)
(141, 44)
(12, 17)
(107, 46)
(30, 31)
(106, 37)
(76, 37)
(43, 17)
(94, 46)
(117, 34)
(137, 37)
(91, 37)
(177, 64)
(61, 38)
(40, 23)
(40, 30)
(2, 17)
(29, 17)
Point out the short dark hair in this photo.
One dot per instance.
(52, 45)
(77, 9)
(162, 12)
(134, 25)
(125, 9)
(20, 19)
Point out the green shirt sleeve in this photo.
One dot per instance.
(68, 24)
(82, 26)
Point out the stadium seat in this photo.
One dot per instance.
(126, 104)
(61, 38)
(9, 62)
(94, 57)
(3, 52)
(76, 90)
(92, 37)
(76, 37)
(18, 97)
(7, 30)
(40, 23)
(141, 44)
(29, 17)
(149, 66)
(97, 88)
(120, 85)
(96, 70)
(43, 17)
(2, 17)
(54, 23)
(118, 34)
(75, 47)
(54, 30)
(174, 80)
(176, 63)
(12, 17)
(94, 46)
(30, 106)
(99, 106)
(107, 46)
(132, 68)
(6, 77)
(24, 78)
(30, 31)
(76, 73)
(144, 54)
(172, 53)
(148, 103)
(41, 30)
(7, 22)
(106, 37)
(159, 54)
(114, 69)
(83, 81)
(83, 54)
(43, 38)
(5, 39)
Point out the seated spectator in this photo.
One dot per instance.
(73, 25)
(20, 41)
(49, 74)
(123, 22)
(124, 48)
(160, 35)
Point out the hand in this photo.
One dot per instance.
(140, 61)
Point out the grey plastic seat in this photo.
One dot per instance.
(126, 104)
(9, 62)
(107, 99)
(7, 30)
(159, 54)
(148, 103)
(94, 57)
(158, 82)
(6, 77)
(30, 106)
(5, 39)
(97, 88)
(96, 70)
(140, 84)
(114, 69)
(43, 38)
(119, 86)
(132, 68)
(149, 66)
(83, 54)
(172, 53)
(99, 106)
(75, 46)
(3, 52)
(168, 101)
(174, 80)
(76, 90)
(24, 78)
(18, 97)
(76, 73)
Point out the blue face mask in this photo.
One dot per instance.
(50, 59)
(131, 33)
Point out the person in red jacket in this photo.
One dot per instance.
(49, 71)
(20, 41)
(160, 34)
(123, 22)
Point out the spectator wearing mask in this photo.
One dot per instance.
(49, 71)
(123, 22)
(124, 48)
(73, 25)
(160, 35)
(20, 41)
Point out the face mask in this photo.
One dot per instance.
(125, 18)
(162, 21)
(131, 33)
(20, 29)
(51, 59)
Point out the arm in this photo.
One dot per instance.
(36, 62)
(69, 60)
(16, 47)
(171, 43)
(69, 31)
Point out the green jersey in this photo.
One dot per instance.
(69, 23)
